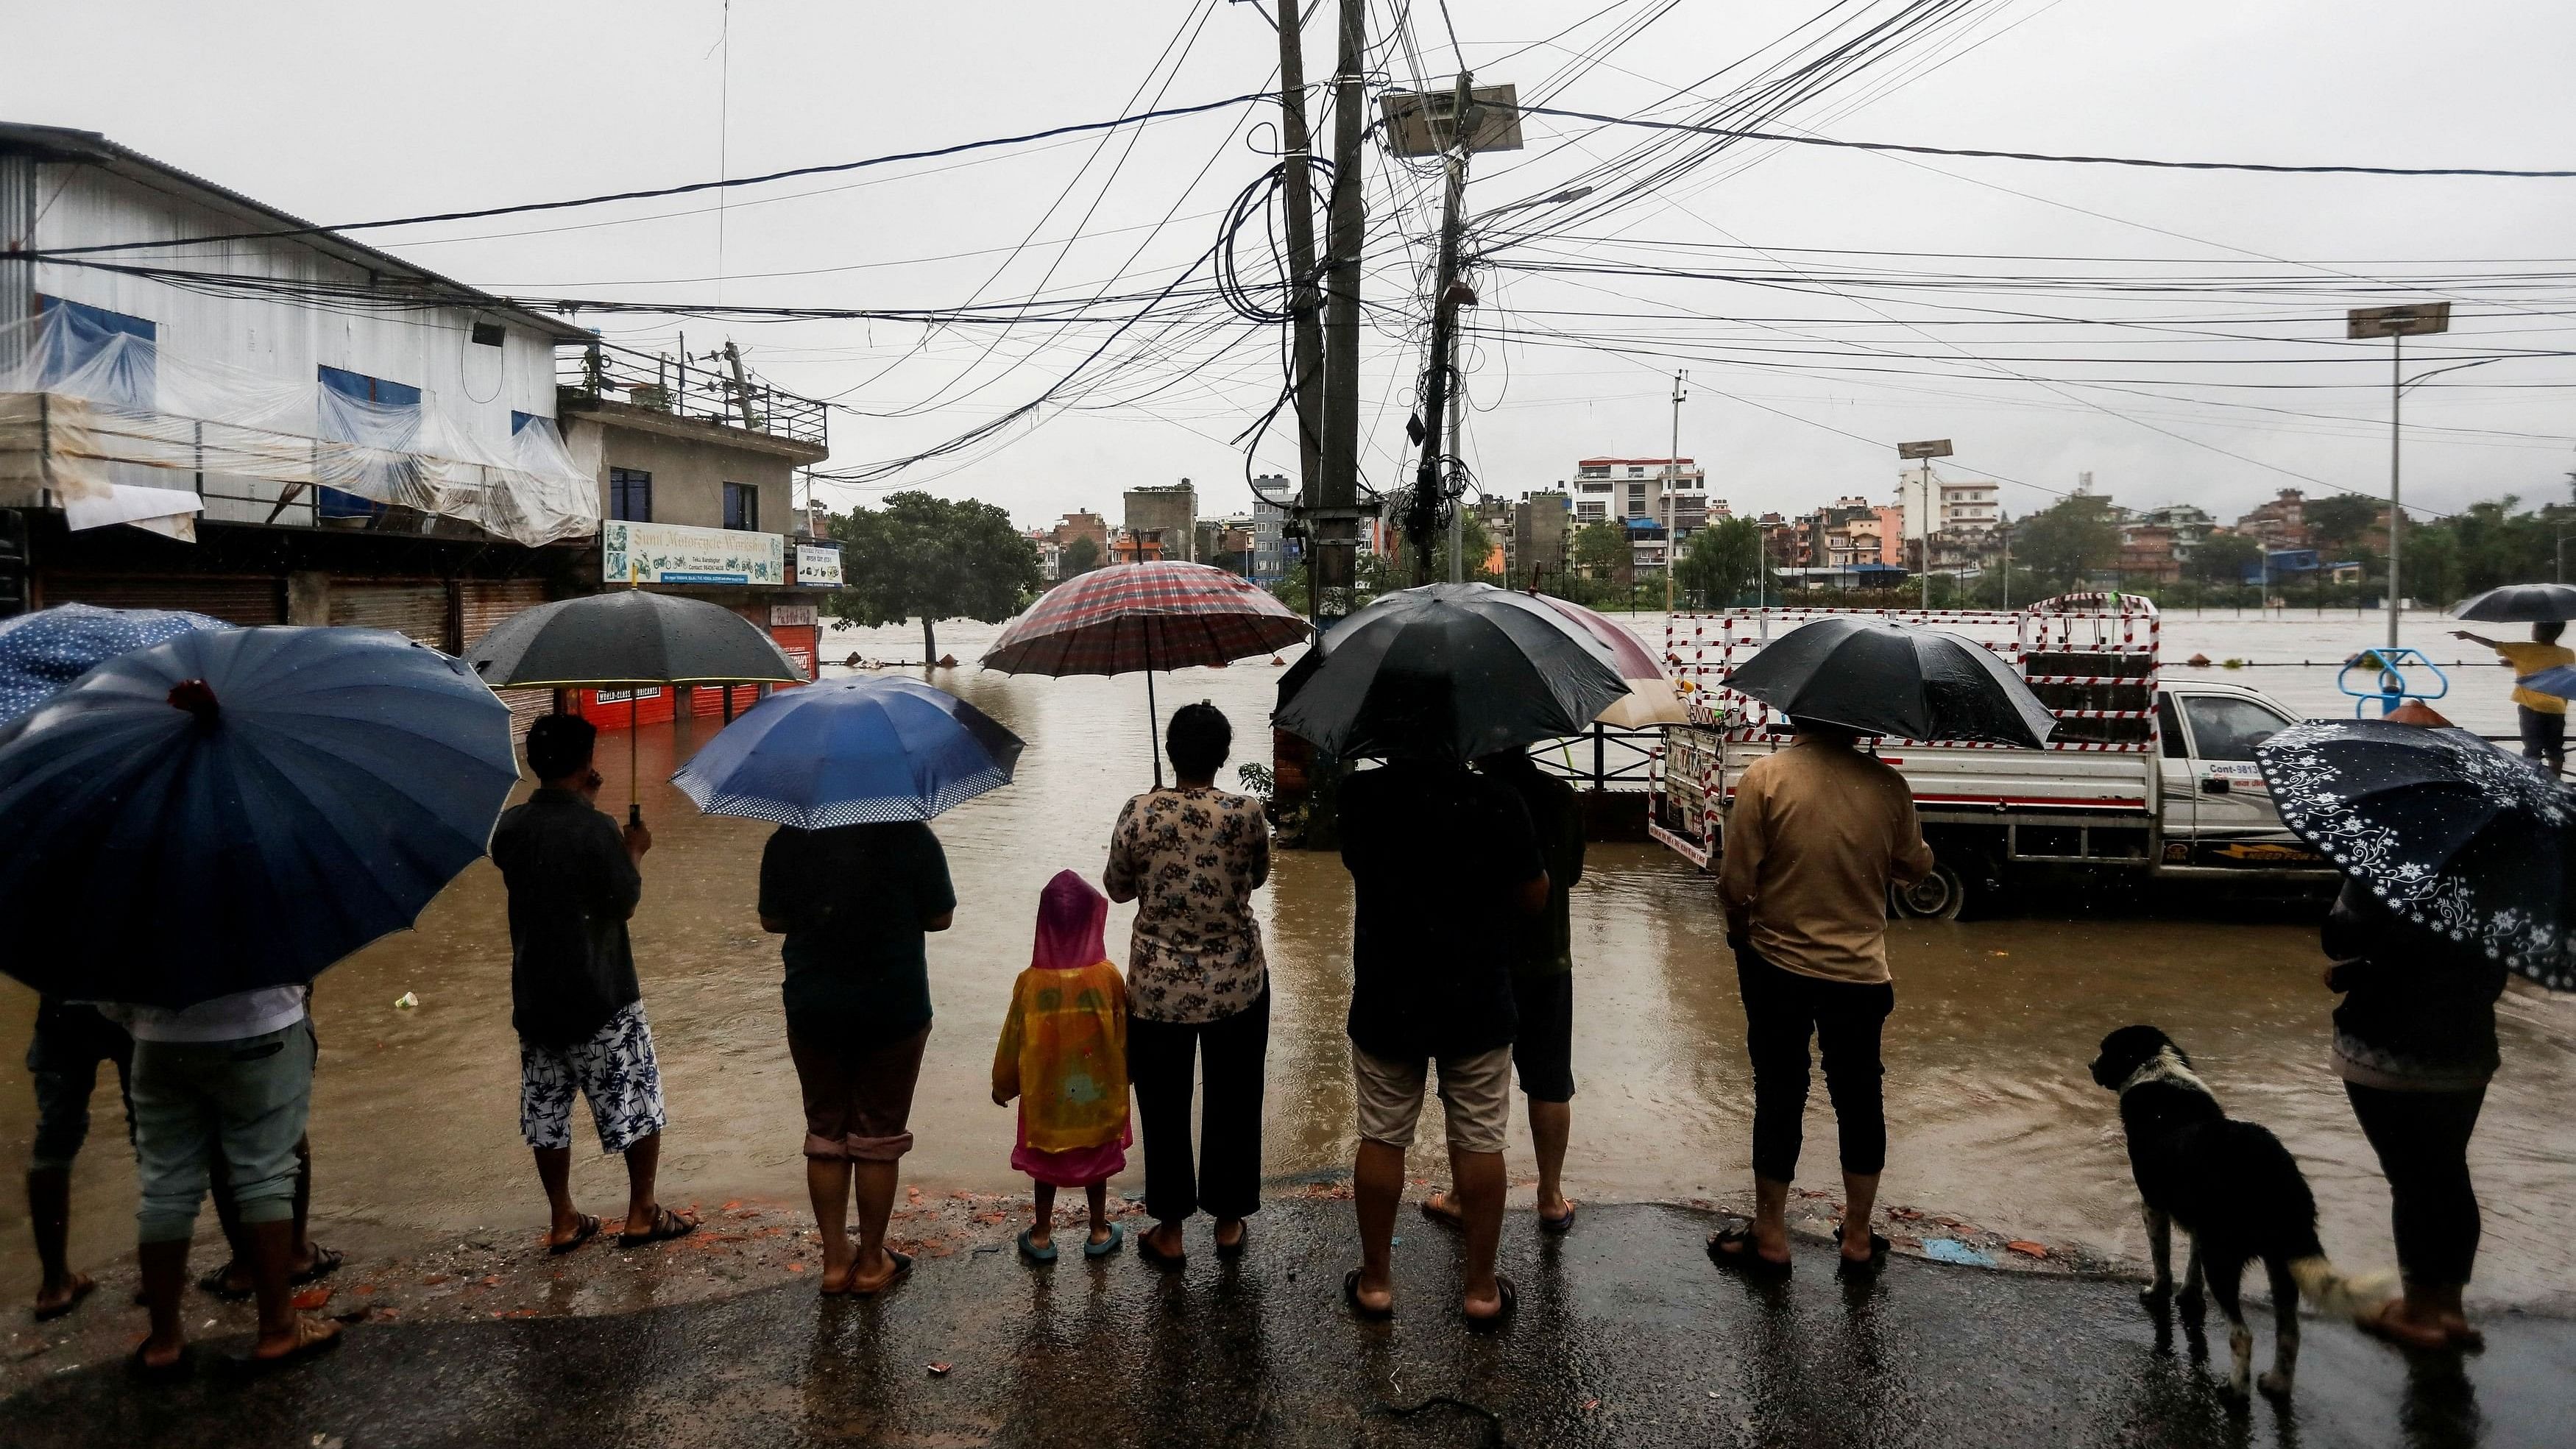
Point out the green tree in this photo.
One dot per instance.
(2223, 558)
(1721, 561)
(1078, 557)
(2338, 523)
(1601, 551)
(935, 557)
(2063, 543)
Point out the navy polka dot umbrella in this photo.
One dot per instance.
(42, 652)
(2450, 832)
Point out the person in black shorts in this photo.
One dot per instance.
(69, 1044)
(1543, 986)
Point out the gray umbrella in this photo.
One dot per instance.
(2523, 604)
(1451, 671)
(629, 637)
(1893, 679)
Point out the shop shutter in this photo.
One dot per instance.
(418, 610)
(483, 604)
(245, 599)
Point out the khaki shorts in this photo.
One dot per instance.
(1476, 1091)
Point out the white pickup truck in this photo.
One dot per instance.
(2143, 776)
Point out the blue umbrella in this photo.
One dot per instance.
(851, 750)
(46, 650)
(2560, 681)
(240, 808)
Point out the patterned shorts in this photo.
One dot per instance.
(614, 1069)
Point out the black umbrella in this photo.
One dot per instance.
(2453, 833)
(2523, 604)
(1895, 679)
(629, 637)
(1451, 671)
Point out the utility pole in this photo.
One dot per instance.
(1333, 522)
(741, 384)
(2396, 324)
(1303, 300)
(1672, 475)
(1423, 517)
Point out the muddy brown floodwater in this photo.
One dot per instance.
(1992, 1117)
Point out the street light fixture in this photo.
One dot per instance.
(2396, 324)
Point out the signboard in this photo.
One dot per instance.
(791, 616)
(2411, 321)
(1935, 448)
(670, 553)
(819, 565)
(1420, 123)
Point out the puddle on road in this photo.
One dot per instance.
(1992, 1116)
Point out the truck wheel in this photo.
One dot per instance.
(1940, 896)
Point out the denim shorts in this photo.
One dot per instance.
(242, 1103)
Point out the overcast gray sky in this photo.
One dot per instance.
(1802, 378)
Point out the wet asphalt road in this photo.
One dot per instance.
(1626, 1336)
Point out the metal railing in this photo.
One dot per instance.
(707, 391)
(1605, 759)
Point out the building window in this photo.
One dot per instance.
(742, 506)
(630, 495)
(388, 412)
(84, 349)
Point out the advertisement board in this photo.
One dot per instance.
(819, 565)
(671, 553)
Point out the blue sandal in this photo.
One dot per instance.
(1117, 1238)
(1031, 1253)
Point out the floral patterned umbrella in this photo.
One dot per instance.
(2452, 833)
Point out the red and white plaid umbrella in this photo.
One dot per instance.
(1162, 615)
(1148, 616)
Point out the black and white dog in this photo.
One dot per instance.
(2235, 1189)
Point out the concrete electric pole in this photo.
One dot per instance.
(1332, 526)
(1672, 476)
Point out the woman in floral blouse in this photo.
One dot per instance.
(1198, 992)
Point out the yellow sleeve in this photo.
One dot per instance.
(1006, 1056)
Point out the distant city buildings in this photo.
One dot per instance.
(1164, 517)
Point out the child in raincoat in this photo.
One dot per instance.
(1063, 1054)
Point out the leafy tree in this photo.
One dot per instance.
(2337, 524)
(2222, 558)
(935, 557)
(2063, 543)
(1601, 551)
(1721, 561)
(1078, 557)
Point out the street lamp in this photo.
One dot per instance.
(2396, 324)
(1924, 452)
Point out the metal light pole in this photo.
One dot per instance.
(1672, 475)
(2396, 324)
(1924, 452)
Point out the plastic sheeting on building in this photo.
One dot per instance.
(90, 418)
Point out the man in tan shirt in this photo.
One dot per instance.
(1817, 834)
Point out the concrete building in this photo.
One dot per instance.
(1169, 515)
(350, 438)
(1273, 552)
(2189, 526)
(1671, 494)
(2279, 524)
(1539, 545)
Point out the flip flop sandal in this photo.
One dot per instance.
(1031, 1253)
(902, 1267)
(1228, 1252)
(1878, 1250)
(215, 1285)
(584, 1229)
(1558, 1226)
(1493, 1322)
(1733, 1250)
(310, 1346)
(1117, 1238)
(666, 1226)
(176, 1370)
(1168, 1262)
(79, 1291)
(326, 1261)
(1446, 1220)
(1351, 1296)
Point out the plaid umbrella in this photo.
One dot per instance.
(1148, 616)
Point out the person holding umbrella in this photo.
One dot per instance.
(851, 770)
(574, 1000)
(2543, 717)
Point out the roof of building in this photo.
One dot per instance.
(63, 145)
(1597, 462)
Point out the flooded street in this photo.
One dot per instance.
(1991, 1114)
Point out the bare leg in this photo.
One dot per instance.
(1771, 1218)
(282, 1330)
(49, 1212)
(1860, 1200)
(827, 1182)
(1481, 1186)
(874, 1183)
(554, 1170)
(1551, 1126)
(1097, 1196)
(237, 1275)
(1377, 1185)
(643, 1163)
(2285, 1329)
(165, 1277)
(1042, 1231)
